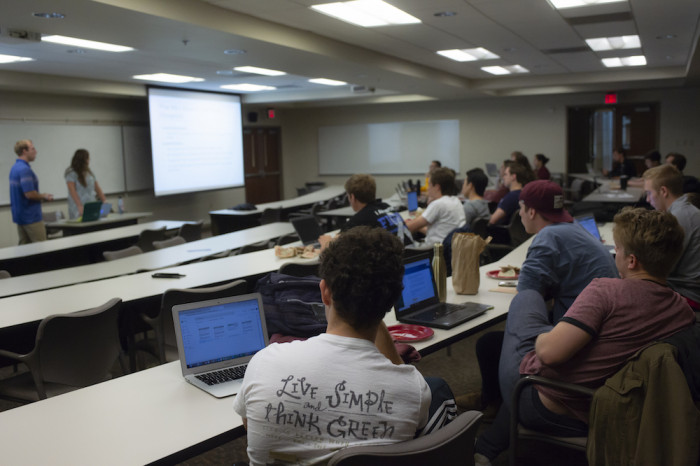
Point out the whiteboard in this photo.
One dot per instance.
(388, 148)
(56, 143)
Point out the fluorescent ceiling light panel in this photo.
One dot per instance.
(366, 13)
(168, 78)
(637, 60)
(88, 44)
(478, 53)
(327, 82)
(248, 87)
(614, 43)
(501, 70)
(562, 4)
(256, 70)
(13, 59)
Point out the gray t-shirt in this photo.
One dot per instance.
(478, 208)
(685, 276)
(85, 193)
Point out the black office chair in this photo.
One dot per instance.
(121, 253)
(191, 231)
(505, 237)
(164, 346)
(71, 351)
(147, 237)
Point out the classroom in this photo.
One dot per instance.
(391, 76)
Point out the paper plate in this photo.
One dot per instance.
(407, 333)
(496, 274)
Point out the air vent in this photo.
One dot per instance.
(610, 18)
(566, 50)
(288, 86)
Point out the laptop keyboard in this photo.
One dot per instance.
(440, 310)
(223, 375)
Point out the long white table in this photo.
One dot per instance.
(155, 412)
(226, 220)
(142, 262)
(72, 250)
(111, 221)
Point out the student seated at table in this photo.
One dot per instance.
(561, 261)
(302, 401)
(664, 191)
(609, 322)
(475, 206)
(444, 212)
(515, 177)
(362, 196)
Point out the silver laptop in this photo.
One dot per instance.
(419, 303)
(217, 338)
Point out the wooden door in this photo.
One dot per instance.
(262, 162)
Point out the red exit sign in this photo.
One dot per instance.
(611, 98)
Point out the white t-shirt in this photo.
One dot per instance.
(443, 215)
(308, 399)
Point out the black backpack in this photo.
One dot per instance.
(293, 305)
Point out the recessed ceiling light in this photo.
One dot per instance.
(234, 52)
(168, 78)
(13, 59)
(614, 43)
(479, 53)
(444, 14)
(248, 87)
(366, 13)
(637, 60)
(52, 15)
(327, 82)
(500, 70)
(562, 4)
(88, 44)
(256, 70)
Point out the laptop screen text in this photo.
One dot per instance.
(220, 333)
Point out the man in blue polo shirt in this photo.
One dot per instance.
(25, 196)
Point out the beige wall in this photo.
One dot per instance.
(86, 110)
(490, 129)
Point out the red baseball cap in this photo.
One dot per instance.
(547, 198)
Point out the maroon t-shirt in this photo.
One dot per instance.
(622, 316)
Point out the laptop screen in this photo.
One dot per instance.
(307, 228)
(412, 198)
(492, 170)
(418, 286)
(588, 222)
(221, 332)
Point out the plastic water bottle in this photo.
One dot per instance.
(120, 205)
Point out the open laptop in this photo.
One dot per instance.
(492, 170)
(308, 229)
(419, 303)
(91, 212)
(589, 224)
(217, 338)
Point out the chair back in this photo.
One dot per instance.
(121, 253)
(516, 230)
(163, 323)
(300, 269)
(4, 274)
(147, 237)
(166, 243)
(451, 445)
(79, 349)
(480, 226)
(191, 231)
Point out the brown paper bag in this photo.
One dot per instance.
(466, 249)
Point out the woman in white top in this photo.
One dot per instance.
(82, 185)
(444, 212)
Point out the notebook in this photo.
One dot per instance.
(307, 228)
(589, 224)
(419, 303)
(106, 209)
(412, 200)
(217, 338)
